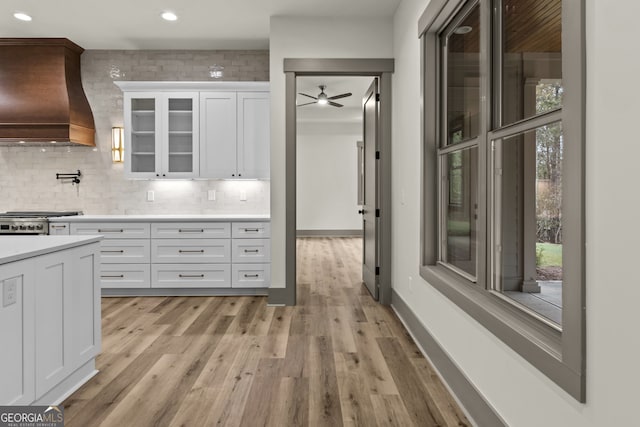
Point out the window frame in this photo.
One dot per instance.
(559, 354)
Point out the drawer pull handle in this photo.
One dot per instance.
(118, 276)
(190, 230)
(58, 226)
(187, 276)
(121, 251)
(252, 230)
(110, 230)
(185, 251)
(246, 251)
(251, 275)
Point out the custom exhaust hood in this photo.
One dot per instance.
(41, 94)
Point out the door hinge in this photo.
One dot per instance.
(377, 271)
(377, 155)
(377, 213)
(377, 97)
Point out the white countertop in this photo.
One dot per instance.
(17, 248)
(162, 218)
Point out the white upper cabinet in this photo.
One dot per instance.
(218, 129)
(234, 135)
(253, 134)
(161, 138)
(215, 130)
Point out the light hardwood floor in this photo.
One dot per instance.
(337, 358)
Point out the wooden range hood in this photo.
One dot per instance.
(41, 95)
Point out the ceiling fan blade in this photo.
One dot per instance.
(308, 96)
(335, 104)
(344, 95)
(308, 103)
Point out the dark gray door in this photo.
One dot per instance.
(369, 220)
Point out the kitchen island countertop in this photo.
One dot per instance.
(17, 248)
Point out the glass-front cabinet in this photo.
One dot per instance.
(161, 138)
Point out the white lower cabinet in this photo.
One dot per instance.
(116, 276)
(190, 251)
(251, 275)
(67, 315)
(191, 275)
(17, 321)
(53, 327)
(182, 254)
(59, 229)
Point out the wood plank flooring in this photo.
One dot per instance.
(336, 359)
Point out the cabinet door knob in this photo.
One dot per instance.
(233, 174)
(239, 174)
(157, 174)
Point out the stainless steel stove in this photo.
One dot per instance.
(31, 222)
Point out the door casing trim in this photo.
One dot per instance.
(374, 67)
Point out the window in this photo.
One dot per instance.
(503, 208)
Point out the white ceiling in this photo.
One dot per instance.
(136, 24)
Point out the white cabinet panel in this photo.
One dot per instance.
(53, 314)
(250, 275)
(191, 230)
(115, 276)
(125, 251)
(191, 276)
(253, 135)
(249, 230)
(190, 251)
(251, 250)
(59, 228)
(17, 323)
(84, 323)
(113, 230)
(218, 134)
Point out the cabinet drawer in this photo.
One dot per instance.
(123, 251)
(251, 250)
(59, 228)
(191, 276)
(250, 275)
(125, 276)
(114, 230)
(191, 230)
(248, 230)
(203, 251)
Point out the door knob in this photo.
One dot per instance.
(361, 211)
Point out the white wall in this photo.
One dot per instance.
(520, 393)
(295, 37)
(327, 182)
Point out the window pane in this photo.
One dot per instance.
(463, 79)
(460, 204)
(531, 58)
(528, 219)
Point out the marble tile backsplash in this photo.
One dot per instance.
(28, 174)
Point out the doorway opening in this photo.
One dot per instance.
(330, 171)
(380, 69)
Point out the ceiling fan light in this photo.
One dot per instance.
(322, 101)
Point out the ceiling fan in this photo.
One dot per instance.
(323, 99)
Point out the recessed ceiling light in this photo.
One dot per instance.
(169, 16)
(22, 16)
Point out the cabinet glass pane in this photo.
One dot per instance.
(143, 135)
(531, 58)
(180, 135)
